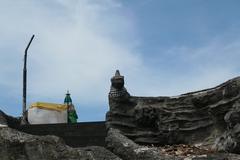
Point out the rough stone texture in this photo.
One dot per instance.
(3, 120)
(6, 120)
(75, 135)
(201, 117)
(129, 150)
(17, 145)
(230, 140)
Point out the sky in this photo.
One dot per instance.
(162, 47)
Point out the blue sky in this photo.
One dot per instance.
(162, 47)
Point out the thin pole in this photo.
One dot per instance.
(24, 100)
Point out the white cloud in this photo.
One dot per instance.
(184, 69)
(78, 46)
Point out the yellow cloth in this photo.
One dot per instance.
(49, 106)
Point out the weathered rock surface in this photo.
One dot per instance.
(230, 140)
(129, 150)
(6, 120)
(200, 117)
(17, 145)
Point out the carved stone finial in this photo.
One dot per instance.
(117, 74)
(117, 86)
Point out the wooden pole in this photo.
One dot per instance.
(24, 100)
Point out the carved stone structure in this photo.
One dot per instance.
(118, 91)
(208, 117)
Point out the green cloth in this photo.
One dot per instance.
(72, 117)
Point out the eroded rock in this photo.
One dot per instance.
(6, 120)
(129, 150)
(229, 141)
(17, 145)
(192, 118)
